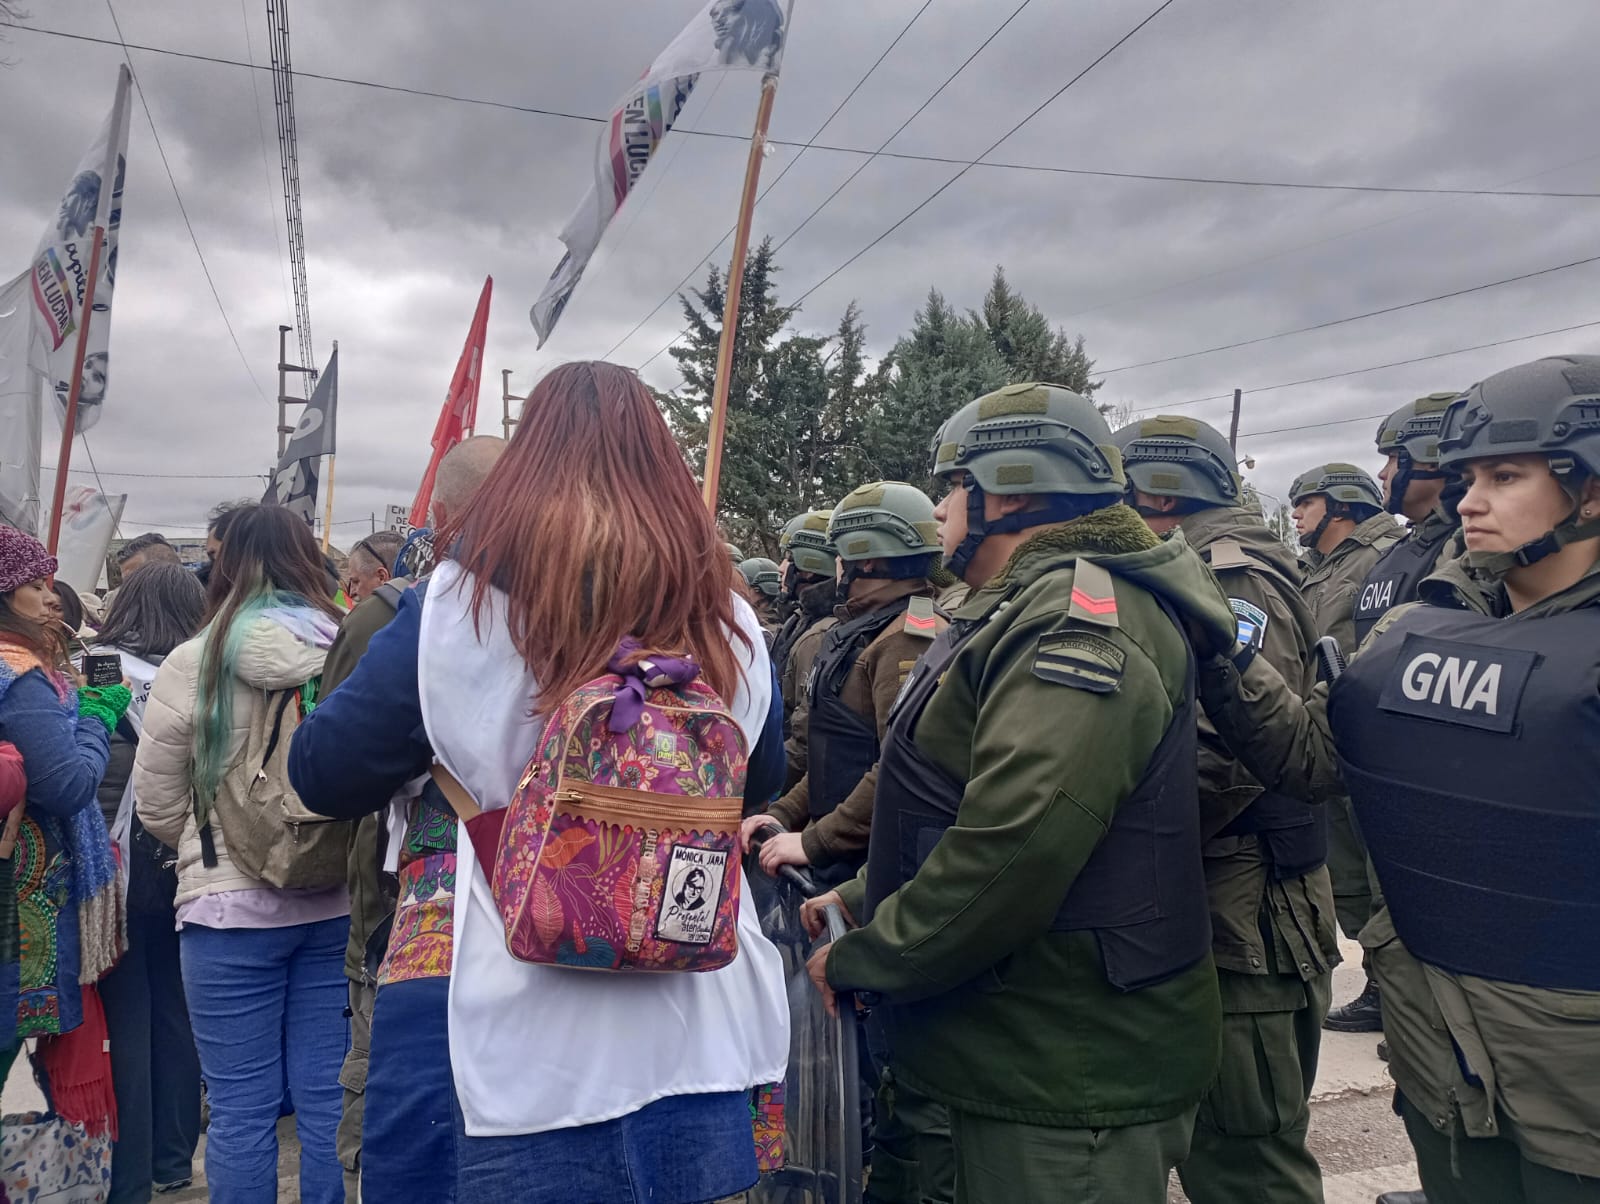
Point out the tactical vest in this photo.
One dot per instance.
(1142, 892)
(1394, 580)
(842, 745)
(1293, 834)
(1471, 749)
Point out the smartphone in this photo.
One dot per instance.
(102, 668)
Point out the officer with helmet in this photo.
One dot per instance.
(1467, 733)
(766, 583)
(811, 590)
(1271, 900)
(883, 534)
(1338, 510)
(1414, 487)
(1033, 909)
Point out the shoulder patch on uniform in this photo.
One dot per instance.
(1083, 660)
(1228, 554)
(1094, 598)
(922, 619)
(1252, 622)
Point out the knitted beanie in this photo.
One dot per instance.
(22, 559)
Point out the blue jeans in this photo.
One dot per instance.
(154, 1070)
(408, 1132)
(262, 1001)
(685, 1149)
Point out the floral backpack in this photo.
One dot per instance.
(619, 849)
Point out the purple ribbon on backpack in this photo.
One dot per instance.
(651, 673)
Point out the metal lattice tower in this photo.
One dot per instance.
(289, 159)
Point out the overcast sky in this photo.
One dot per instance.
(409, 201)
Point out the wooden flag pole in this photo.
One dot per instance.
(327, 516)
(69, 423)
(730, 311)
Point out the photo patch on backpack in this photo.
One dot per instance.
(692, 893)
(1252, 622)
(1083, 660)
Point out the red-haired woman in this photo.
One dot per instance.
(568, 1085)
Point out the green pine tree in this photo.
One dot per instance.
(1032, 350)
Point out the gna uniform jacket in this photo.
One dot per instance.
(835, 818)
(1333, 583)
(1272, 913)
(1485, 711)
(1398, 575)
(1045, 722)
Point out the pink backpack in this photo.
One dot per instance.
(620, 848)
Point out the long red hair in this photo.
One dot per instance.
(592, 524)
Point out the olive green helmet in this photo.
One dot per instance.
(1030, 438)
(1351, 494)
(1550, 408)
(1414, 428)
(762, 576)
(886, 519)
(1341, 483)
(1171, 456)
(1411, 435)
(805, 542)
(734, 554)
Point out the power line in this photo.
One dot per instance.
(788, 167)
(116, 523)
(937, 192)
(1371, 313)
(1312, 426)
(730, 136)
(1416, 359)
(172, 476)
(178, 196)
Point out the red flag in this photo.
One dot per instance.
(460, 410)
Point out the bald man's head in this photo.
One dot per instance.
(460, 473)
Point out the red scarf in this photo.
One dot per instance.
(77, 1067)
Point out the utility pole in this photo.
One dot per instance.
(1233, 427)
(285, 427)
(507, 422)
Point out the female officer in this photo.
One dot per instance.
(1467, 733)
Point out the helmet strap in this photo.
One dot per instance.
(1496, 565)
(1312, 538)
(1400, 483)
(1058, 508)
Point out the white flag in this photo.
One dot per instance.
(88, 520)
(21, 410)
(727, 35)
(60, 269)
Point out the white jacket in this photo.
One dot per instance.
(271, 658)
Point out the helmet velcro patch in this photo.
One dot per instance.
(1166, 480)
(1014, 474)
(1169, 424)
(1016, 399)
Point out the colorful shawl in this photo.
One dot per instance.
(102, 922)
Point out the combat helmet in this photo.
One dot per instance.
(805, 542)
(1411, 435)
(884, 520)
(1173, 456)
(1351, 494)
(1028, 439)
(1550, 408)
(762, 576)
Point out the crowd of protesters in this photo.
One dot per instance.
(370, 844)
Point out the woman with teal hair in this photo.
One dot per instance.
(263, 968)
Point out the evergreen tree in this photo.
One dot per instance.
(943, 363)
(1031, 349)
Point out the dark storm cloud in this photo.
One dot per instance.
(410, 201)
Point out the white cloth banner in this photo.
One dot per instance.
(60, 269)
(21, 411)
(88, 520)
(727, 35)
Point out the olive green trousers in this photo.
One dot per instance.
(913, 1159)
(1250, 1137)
(1457, 1169)
(1004, 1162)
